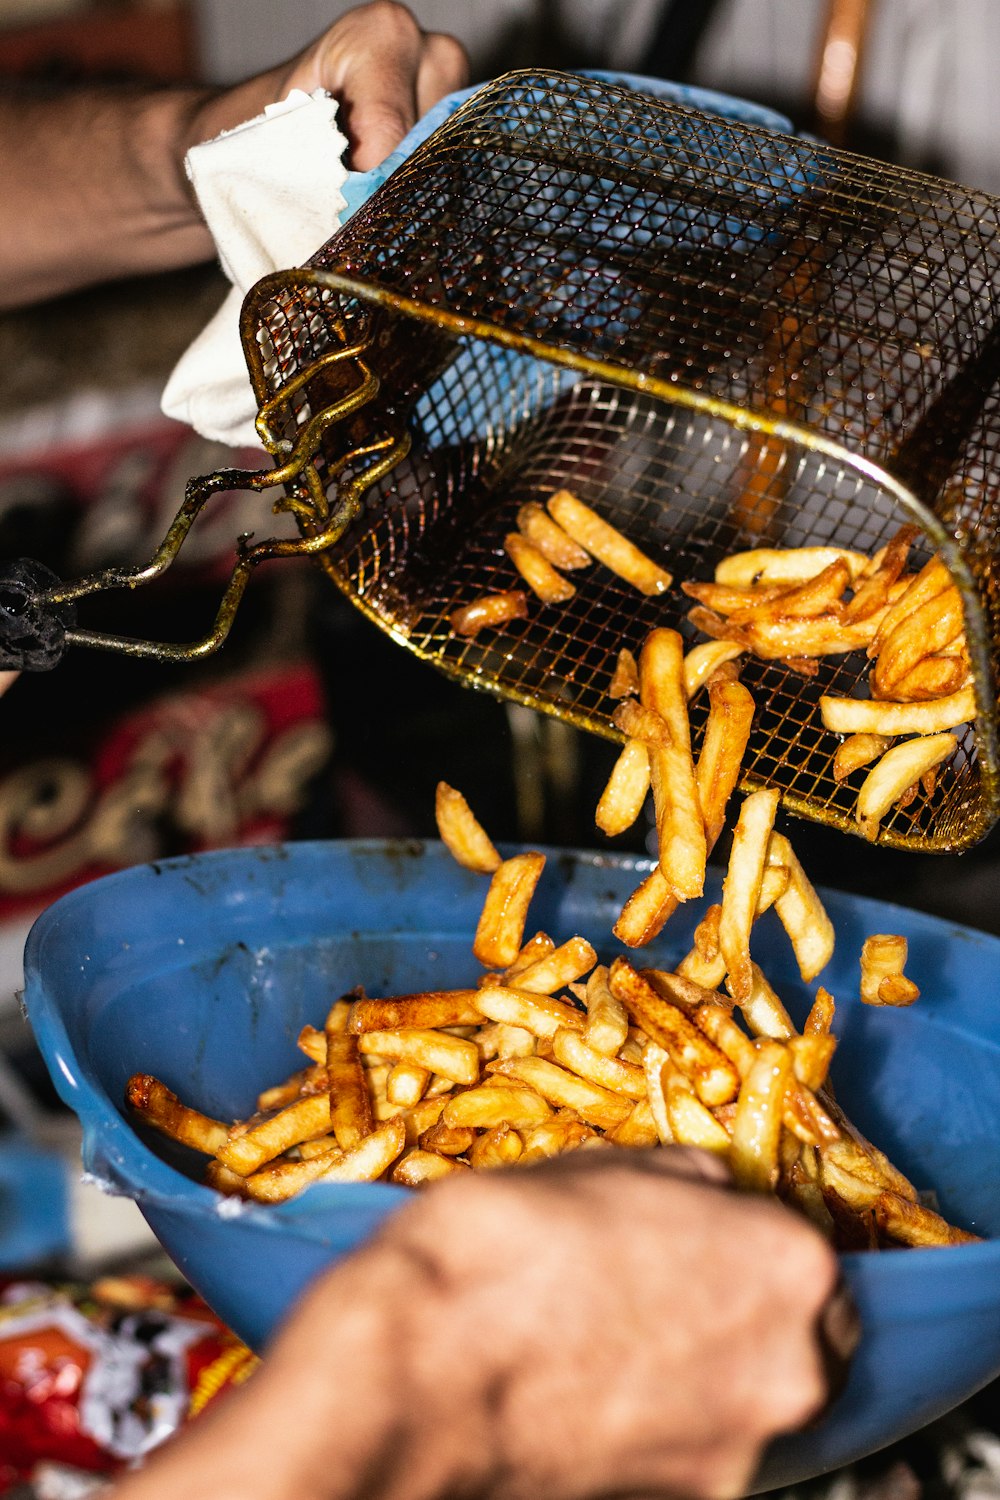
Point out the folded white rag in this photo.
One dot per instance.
(270, 191)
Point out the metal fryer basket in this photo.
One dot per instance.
(717, 335)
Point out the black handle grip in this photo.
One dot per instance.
(32, 632)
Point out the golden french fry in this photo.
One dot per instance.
(742, 885)
(726, 735)
(310, 1080)
(642, 724)
(850, 716)
(646, 910)
(462, 833)
(714, 1076)
(720, 1028)
(801, 912)
(312, 1042)
(757, 1121)
(570, 1049)
(932, 579)
(929, 630)
(897, 769)
(704, 659)
(499, 1147)
(873, 589)
(373, 1156)
(553, 1137)
(820, 1017)
(597, 1106)
(820, 595)
(534, 522)
(622, 800)
(606, 1027)
(821, 635)
(489, 611)
(544, 581)
(300, 1121)
(607, 544)
(447, 1139)
(691, 1124)
(500, 931)
(932, 677)
(564, 964)
(489, 1105)
(350, 1103)
(811, 1057)
(731, 599)
(405, 1085)
(680, 827)
(160, 1107)
(883, 959)
(765, 565)
(540, 1014)
(856, 751)
(535, 948)
(910, 1224)
(424, 1008)
(625, 678)
(497, 1039)
(764, 1012)
(450, 1056)
(419, 1166)
(654, 1060)
(422, 1116)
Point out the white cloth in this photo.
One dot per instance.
(270, 191)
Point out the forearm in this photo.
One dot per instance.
(94, 182)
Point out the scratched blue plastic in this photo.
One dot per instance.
(202, 970)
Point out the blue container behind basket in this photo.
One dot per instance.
(202, 970)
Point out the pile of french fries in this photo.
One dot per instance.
(550, 1050)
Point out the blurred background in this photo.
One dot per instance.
(295, 729)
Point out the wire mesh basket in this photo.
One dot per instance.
(716, 335)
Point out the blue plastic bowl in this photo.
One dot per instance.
(202, 970)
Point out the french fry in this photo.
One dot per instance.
(883, 959)
(646, 910)
(680, 827)
(757, 1121)
(820, 595)
(486, 1106)
(405, 1084)
(606, 1027)
(811, 1057)
(654, 1060)
(160, 1107)
(489, 611)
(607, 544)
(764, 1012)
(873, 589)
(501, 924)
(535, 948)
(535, 523)
(704, 659)
(622, 800)
(690, 1122)
(727, 733)
(307, 1117)
(496, 1039)
(499, 1147)
(554, 1137)
(544, 581)
(765, 565)
(714, 1076)
(897, 770)
(424, 1008)
(932, 579)
(638, 1130)
(564, 964)
(373, 1156)
(570, 1049)
(595, 1105)
(540, 1014)
(856, 751)
(741, 887)
(929, 630)
(446, 1139)
(419, 1166)
(821, 1013)
(910, 1224)
(462, 833)
(625, 678)
(880, 716)
(306, 1081)
(932, 677)
(350, 1104)
(801, 912)
(450, 1056)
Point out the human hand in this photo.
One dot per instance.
(597, 1325)
(377, 62)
